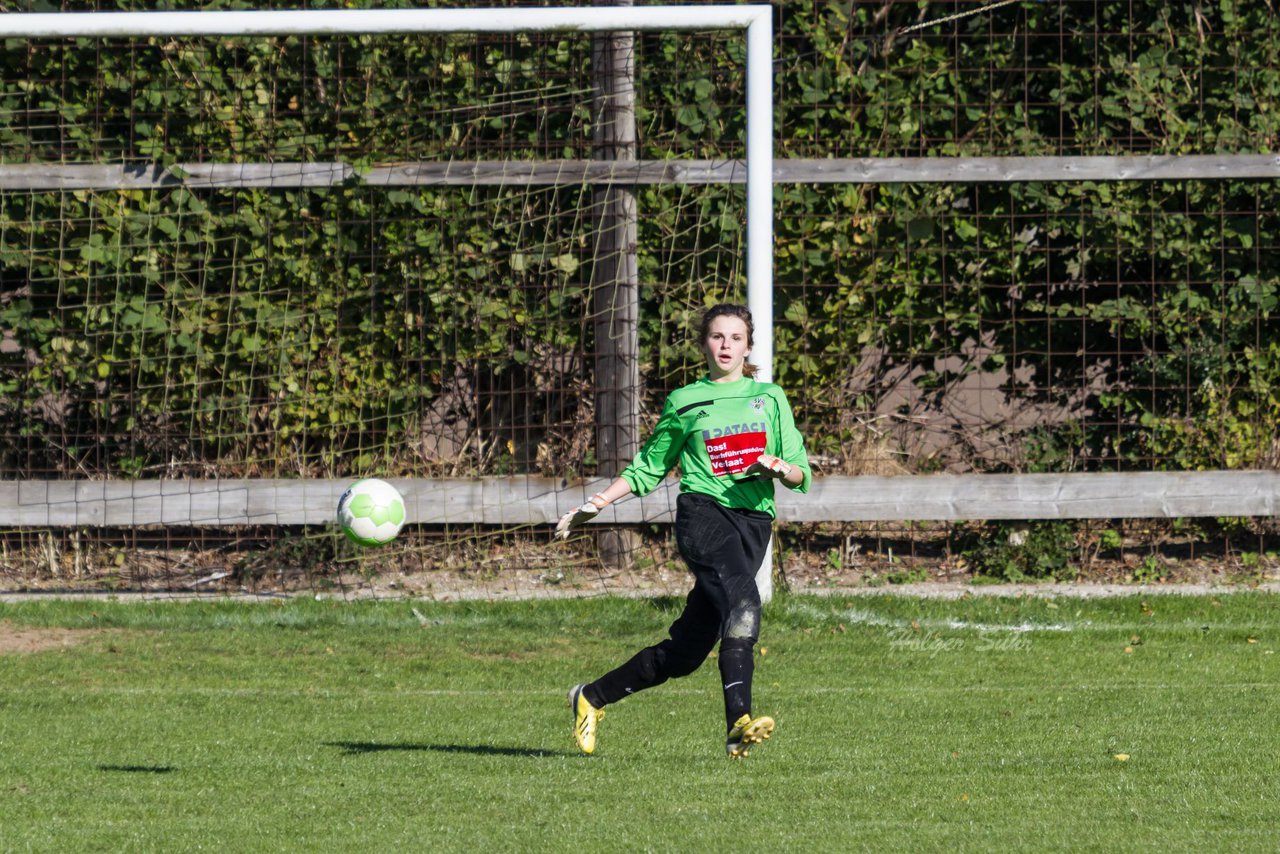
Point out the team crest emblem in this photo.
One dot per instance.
(758, 404)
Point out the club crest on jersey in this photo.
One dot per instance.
(758, 404)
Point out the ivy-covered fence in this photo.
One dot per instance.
(1034, 326)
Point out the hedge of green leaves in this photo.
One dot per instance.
(345, 329)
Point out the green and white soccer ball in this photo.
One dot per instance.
(371, 512)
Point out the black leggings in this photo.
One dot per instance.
(724, 548)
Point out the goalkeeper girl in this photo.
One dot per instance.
(733, 438)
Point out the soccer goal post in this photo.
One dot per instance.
(199, 269)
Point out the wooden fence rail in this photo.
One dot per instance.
(867, 170)
(536, 501)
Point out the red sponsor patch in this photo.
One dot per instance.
(735, 453)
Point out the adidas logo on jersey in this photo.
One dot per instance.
(702, 413)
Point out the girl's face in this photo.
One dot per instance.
(726, 348)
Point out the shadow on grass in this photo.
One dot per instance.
(359, 748)
(138, 769)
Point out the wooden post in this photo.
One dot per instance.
(615, 276)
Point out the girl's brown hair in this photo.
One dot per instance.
(728, 309)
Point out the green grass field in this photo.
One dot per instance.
(978, 725)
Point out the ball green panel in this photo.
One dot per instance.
(362, 506)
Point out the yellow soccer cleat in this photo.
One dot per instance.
(586, 719)
(747, 732)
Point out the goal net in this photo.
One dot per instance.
(239, 271)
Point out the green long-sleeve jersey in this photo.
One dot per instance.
(715, 431)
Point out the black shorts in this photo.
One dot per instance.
(724, 548)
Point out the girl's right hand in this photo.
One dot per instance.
(580, 516)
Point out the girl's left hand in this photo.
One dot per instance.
(770, 466)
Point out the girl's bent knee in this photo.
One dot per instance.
(742, 625)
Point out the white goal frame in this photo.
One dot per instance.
(755, 20)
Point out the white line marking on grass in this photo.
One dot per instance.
(858, 616)
(864, 617)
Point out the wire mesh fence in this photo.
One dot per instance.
(314, 324)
